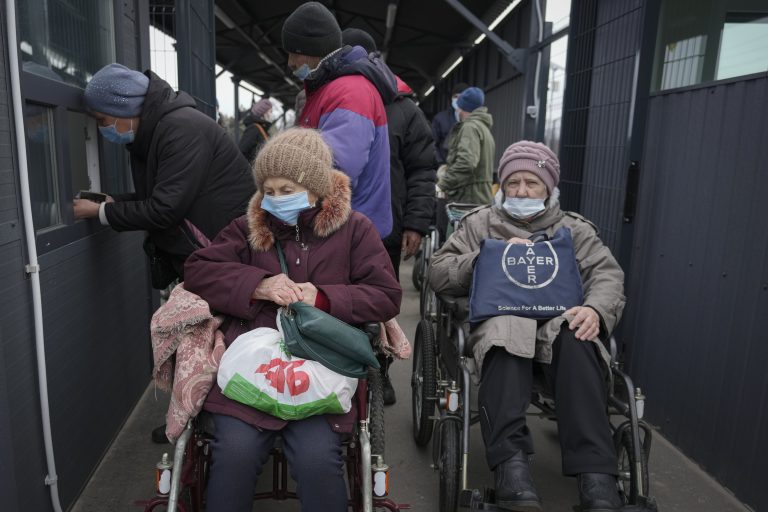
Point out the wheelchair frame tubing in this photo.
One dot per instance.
(630, 409)
(178, 463)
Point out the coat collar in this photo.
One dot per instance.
(334, 211)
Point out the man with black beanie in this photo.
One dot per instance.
(346, 91)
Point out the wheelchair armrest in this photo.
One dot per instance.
(372, 329)
(457, 306)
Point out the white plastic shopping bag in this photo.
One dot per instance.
(257, 371)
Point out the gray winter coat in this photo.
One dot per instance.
(451, 269)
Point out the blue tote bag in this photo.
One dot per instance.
(534, 281)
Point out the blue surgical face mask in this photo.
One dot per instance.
(457, 116)
(523, 207)
(455, 103)
(112, 135)
(288, 207)
(302, 73)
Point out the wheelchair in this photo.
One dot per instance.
(441, 382)
(363, 452)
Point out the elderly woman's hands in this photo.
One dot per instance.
(280, 290)
(585, 320)
(518, 240)
(310, 293)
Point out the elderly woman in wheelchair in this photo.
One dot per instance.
(336, 263)
(569, 343)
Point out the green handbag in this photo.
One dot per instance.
(313, 334)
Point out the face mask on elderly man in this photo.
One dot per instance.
(288, 207)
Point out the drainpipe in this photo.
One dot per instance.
(32, 268)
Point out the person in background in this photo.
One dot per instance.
(443, 122)
(188, 175)
(468, 174)
(340, 267)
(346, 92)
(569, 348)
(412, 175)
(257, 125)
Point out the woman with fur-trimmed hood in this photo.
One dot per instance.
(337, 263)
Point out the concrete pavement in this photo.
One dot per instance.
(127, 470)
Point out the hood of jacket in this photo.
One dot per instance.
(353, 60)
(161, 99)
(322, 221)
(480, 115)
(403, 89)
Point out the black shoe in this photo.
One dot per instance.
(389, 391)
(158, 435)
(598, 493)
(514, 485)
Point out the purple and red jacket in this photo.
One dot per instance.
(345, 101)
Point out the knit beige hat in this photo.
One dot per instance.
(298, 154)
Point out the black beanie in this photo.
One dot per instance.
(311, 30)
(357, 37)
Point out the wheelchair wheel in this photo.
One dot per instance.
(627, 467)
(376, 406)
(449, 465)
(423, 383)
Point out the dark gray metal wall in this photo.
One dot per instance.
(196, 42)
(97, 307)
(485, 67)
(604, 47)
(698, 308)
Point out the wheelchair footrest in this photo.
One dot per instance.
(473, 499)
(643, 505)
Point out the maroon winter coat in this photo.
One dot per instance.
(339, 251)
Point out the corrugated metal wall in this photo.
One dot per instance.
(97, 307)
(195, 40)
(697, 312)
(604, 42)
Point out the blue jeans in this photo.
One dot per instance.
(239, 452)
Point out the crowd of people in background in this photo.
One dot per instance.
(194, 190)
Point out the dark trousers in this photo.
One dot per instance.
(577, 378)
(239, 452)
(395, 252)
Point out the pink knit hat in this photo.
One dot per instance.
(260, 108)
(534, 157)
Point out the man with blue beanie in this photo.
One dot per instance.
(187, 173)
(468, 174)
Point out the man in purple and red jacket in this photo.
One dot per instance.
(346, 92)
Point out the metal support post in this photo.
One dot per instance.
(515, 56)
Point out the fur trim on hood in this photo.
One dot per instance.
(335, 210)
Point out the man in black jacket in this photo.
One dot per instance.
(411, 171)
(257, 127)
(184, 166)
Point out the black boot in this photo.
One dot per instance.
(598, 493)
(514, 485)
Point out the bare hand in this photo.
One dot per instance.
(411, 243)
(518, 240)
(278, 289)
(586, 321)
(85, 209)
(109, 199)
(310, 293)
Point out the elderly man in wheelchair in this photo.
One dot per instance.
(569, 344)
(335, 263)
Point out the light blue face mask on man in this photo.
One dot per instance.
(523, 207)
(303, 72)
(112, 135)
(288, 207)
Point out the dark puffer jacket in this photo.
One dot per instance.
(412, 167)
(184, 167)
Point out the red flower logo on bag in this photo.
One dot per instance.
(281, 373)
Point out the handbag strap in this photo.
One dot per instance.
(281, 257)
